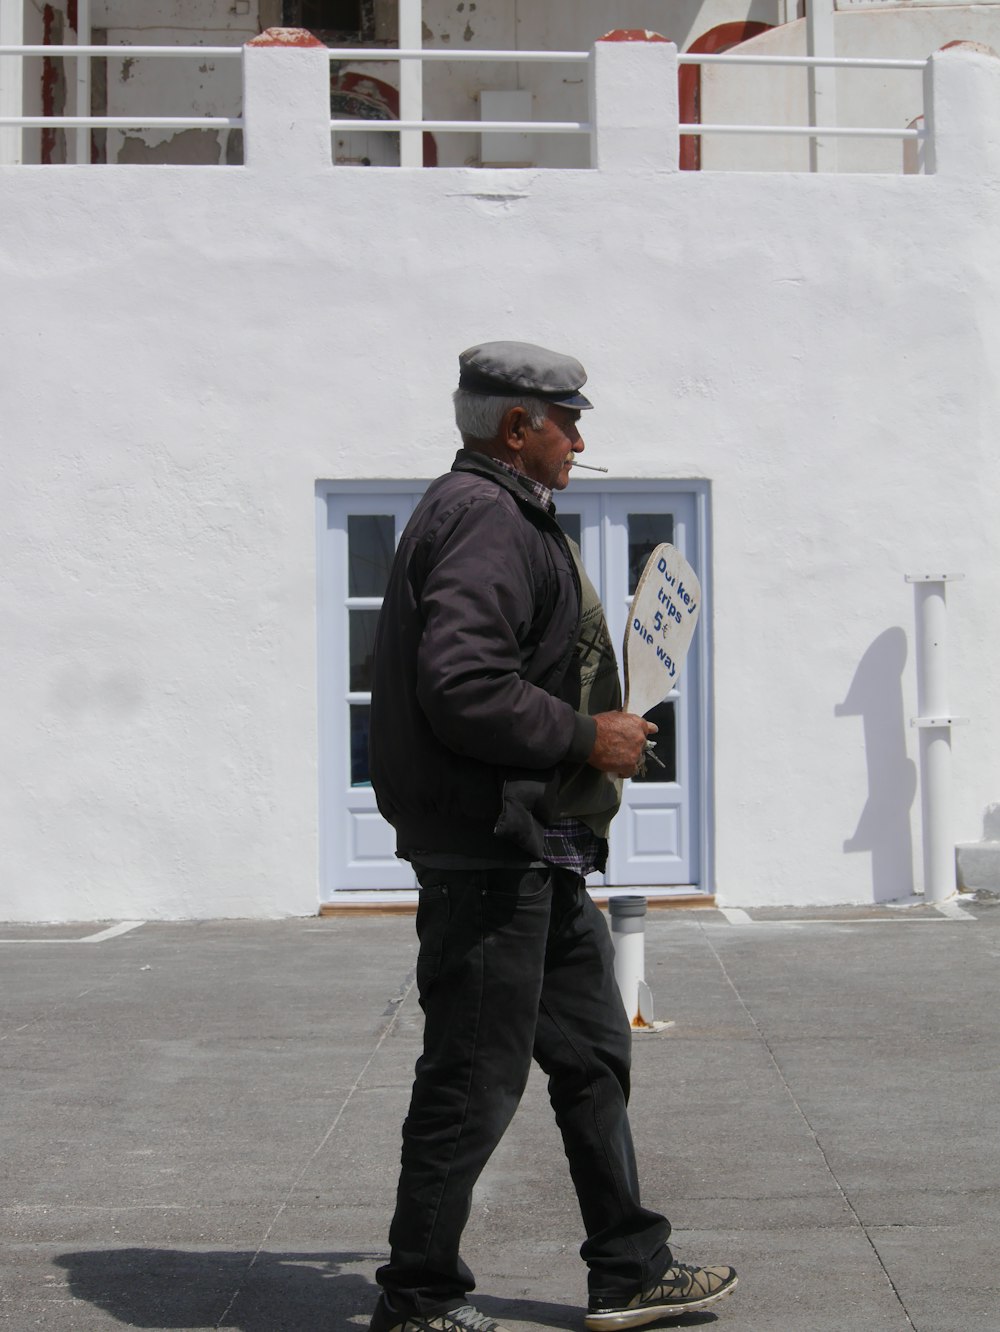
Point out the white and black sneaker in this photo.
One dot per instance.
(465, 1318)
(682, 1289)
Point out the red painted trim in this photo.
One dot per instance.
(713, 42)
(296, 37)
(972, 45)
(633, 35)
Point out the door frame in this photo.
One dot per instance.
(699, 490)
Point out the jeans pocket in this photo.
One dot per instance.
(522, 885)
(517, 887)
(433, 914)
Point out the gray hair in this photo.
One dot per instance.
(478, 416)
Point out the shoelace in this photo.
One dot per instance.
(679, 1277)
(458, 1320)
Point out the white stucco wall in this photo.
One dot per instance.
(187, 350)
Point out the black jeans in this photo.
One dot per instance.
(515, 964)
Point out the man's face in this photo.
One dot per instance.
(547, 453)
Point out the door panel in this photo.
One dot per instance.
(359, 534)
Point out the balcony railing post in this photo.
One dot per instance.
(962, 111)
(286, 101)
(633, 104)
(822, 83)
(11, 82)
(411, 82)
(82, 62)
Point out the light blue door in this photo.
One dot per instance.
(659, 838)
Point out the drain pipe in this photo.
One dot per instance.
(628, 932)
(934, 724)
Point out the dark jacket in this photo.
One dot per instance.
(475, 680)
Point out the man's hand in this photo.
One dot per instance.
(620, 743)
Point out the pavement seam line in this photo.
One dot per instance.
(396, 1006)
(805, 1119)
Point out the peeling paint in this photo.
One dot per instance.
(426, 32)
(981, 47)
(126, 73)
(191, 147)
(633, 35)
(285, 37)
(468, 34)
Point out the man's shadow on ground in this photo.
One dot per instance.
(267, 1292)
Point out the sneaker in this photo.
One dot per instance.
(463, 1319)
(682, 1289)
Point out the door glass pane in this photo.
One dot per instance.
(570, 524)
(362, 641)
(666, 746)
(646, 531)
(360, 714)
(371, 542)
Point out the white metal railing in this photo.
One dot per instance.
(137, 121)
(416, 124)
(584, 127)
(207, 52)
(410, 125)
(809, 62)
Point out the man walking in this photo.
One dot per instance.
(497, 750)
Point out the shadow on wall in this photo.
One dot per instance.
(252, 1292)
(876, 695)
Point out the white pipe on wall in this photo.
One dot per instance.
(934, 723)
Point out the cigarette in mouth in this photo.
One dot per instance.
(589, 467)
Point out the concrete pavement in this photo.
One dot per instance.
(199, 1124)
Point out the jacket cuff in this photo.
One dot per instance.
(584, 738)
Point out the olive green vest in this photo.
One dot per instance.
(586, 794)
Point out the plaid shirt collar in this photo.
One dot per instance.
(541, 493)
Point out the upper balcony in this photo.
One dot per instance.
(840, 90)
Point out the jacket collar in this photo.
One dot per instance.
(467, 460)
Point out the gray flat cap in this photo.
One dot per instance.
(508, 369)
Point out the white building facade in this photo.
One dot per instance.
(225, 386)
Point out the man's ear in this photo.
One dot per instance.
(513, 427)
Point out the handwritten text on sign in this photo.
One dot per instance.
(662, 619)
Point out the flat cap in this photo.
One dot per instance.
(508, 369)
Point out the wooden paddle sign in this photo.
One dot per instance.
(661, 621)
